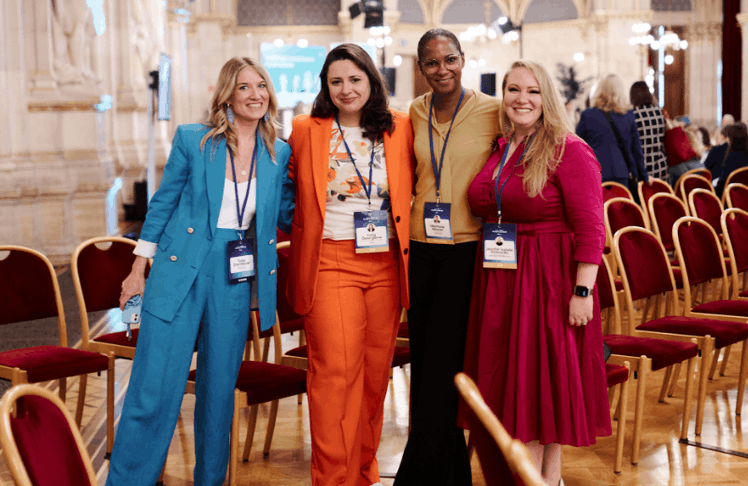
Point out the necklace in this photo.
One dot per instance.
(243, 172)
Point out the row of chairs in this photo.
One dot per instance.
(98, 266)
(646, 272)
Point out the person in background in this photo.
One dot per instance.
(352, 169)
(694, 137)
(455, 129)
(610, 129)
(650, 123)
(535, 338)
(212, 242)
(727, 120)
(737, 153)
(706, 140)
(715, 159)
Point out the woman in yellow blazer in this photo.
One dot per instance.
(351, 165)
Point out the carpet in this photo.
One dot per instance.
(44, 331)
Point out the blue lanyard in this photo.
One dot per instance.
(367, 190)
(438, 170)
(240, 214)
(497, 192)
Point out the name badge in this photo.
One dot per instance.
(500, 245)
(241, 260)
(371, 231)
(436, 222)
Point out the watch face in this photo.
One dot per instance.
(581, 291)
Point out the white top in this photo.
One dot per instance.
(227, 218)
(345, 193)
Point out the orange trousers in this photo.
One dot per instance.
(351, 331)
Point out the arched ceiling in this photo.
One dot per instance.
(434, 10)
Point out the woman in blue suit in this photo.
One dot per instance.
(610, 113)
(215, 212)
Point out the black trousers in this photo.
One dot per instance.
(441, 279)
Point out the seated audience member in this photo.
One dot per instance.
(694, 163)
(737, 153)
(716, 157)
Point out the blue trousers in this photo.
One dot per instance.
(216, 315)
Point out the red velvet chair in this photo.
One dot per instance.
(506, 461)
(665, 209)
(734, 223)
(41, 443)
(613, 189)
(688, 183)
(705, 205)
(646, 274)
(258, 382)
(99, 266)
(700, 251)
(620, 213)
(739, 175)
(29, 290)
(646, 191)
(736, 196)
(642, 355)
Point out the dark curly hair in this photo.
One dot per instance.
(376, 118)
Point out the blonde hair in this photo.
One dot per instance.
(694, 136)
(549, 139)
(610, 95)
(218, 121)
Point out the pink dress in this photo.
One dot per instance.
(544, 378)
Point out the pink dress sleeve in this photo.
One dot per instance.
(578, 177)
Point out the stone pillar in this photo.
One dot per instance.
(703, 56)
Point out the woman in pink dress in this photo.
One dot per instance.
(535, 340)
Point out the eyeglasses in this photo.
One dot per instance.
(451, 62)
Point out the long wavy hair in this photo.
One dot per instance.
(376, 118)
(549, 139)
(218, 121)
(610, 95)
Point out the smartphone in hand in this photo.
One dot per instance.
(132, 312)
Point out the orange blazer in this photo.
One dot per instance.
(310, 145)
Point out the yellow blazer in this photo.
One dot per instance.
(310, 145)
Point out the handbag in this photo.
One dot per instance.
(677, 146)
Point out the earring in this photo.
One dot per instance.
(266, 117)
(230, 114)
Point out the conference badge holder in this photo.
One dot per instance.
(437, 222)
(241, 260)
(371, 231)
(500, 245)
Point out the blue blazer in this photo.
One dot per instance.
(594, 129)
(183, 215)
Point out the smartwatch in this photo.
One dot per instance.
(581, 291)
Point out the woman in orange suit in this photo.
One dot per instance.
(351, 164)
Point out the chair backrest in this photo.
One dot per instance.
(99, 266)
(735, 230)
(700, 255)
(688, 183)
(621, 213)
(613, 189)
(646, 191)
(607, 295)
(739, 176)
(285, 311)
(664, 211)
(702, 171)
(506, 461)
(644, 268)
(705, 205)
(736, 196)
(29, 288)
(40, 440)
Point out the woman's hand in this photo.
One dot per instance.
(650, 180)
(135, 282)
(580, 310)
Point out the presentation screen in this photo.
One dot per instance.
(294, 71)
